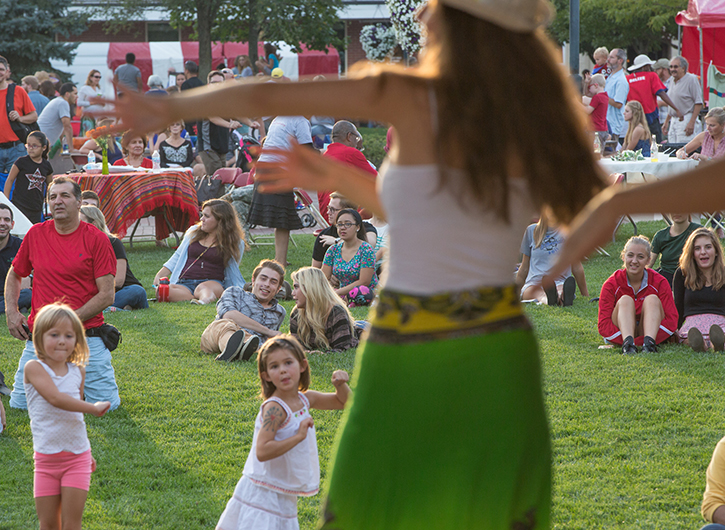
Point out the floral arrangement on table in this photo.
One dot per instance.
(407, 28)
(378, 41)
(628, 156)
(104, 138)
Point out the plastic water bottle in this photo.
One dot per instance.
(91, 160)
(66, 150)
(156, 159)
(654, 154)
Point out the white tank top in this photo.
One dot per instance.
(56, 430)
(440, 241)
(297, 472)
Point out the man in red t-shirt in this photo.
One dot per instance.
(345, 139)
(596, 106)
(11, 148)
(645, 86)
(72, 262)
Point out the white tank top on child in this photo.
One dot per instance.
(441, 241)
(56, 430)
(297, 472)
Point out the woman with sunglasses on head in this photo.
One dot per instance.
(459, 436)
(91, 89)
(352, 260)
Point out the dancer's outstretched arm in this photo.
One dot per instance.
(306, 169)
(700, 190)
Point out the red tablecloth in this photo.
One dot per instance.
(126, 197)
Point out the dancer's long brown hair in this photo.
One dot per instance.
(497, 83)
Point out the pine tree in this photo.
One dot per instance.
(28, 30)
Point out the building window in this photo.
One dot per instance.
(161, 32)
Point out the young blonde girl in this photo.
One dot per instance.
(320, 319)
(282, 463)
(638, 134)
(54, 388)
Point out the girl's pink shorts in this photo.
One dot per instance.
(61, 470)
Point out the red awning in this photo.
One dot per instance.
(703, 13)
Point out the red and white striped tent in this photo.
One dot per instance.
(158, 57)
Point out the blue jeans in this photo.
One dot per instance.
(10, 155)
(100, 382)
(713, 526)
(23, 300)
(131, 295)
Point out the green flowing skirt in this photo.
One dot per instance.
(447, 429)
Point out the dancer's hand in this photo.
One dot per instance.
(300, 167)
(94, 464)
(136, 112)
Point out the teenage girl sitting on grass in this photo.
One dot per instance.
(636, 304)
(539, 249)
(699, 294)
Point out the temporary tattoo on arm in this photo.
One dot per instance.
(272, 418)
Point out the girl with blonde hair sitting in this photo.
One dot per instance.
(320, 320)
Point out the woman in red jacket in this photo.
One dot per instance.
(636, 304)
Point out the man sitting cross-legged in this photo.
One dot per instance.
(245, 319)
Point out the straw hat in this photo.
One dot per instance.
(515, 15)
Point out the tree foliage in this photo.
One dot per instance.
(309, 22)
(296, 22)
(642, 26)
(28, 31)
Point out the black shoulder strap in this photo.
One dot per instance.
(10, 99)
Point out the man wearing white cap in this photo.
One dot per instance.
(645, 86)
(686, 92)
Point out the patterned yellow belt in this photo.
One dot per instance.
(404, 317)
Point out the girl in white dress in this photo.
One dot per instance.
(283, 463)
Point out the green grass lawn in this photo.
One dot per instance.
(632, 436)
